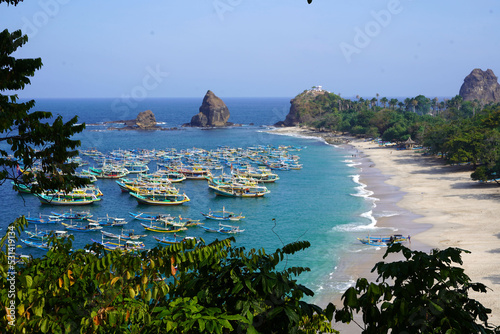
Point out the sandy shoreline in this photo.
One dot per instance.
(438, 205)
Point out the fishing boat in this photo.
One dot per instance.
(129, 245)
(171, 241)
(109, 172)
(193, 172)
(110, 221)
(65, 199)
(39, 220)
(36, 244)
(144, 216)
(44, 235)
(163, 176)
(261, 174)
(73, 214)
(222, 215)
(22, 188)
(229, 229)
(85, 228)
(383, 240)
(158, 198)
(163, 228)
(225, 229)
(240, 191)
(136, 167)
(125, 234)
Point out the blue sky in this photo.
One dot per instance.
(254, 48)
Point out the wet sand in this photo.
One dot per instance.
(437, 204)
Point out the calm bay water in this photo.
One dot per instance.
(323, 203)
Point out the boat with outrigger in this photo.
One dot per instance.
(222, 215)
(160, 198)
(125, 234)
(175, 240)
(384, 241)
(163, 228)
(128, 246)
(225, 229)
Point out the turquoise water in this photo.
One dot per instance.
(323, 203)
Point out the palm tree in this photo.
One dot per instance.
(414, 103)
(393, 103)
(374, 102)
(407, 103)
(384, 101)
(377, 95)
(401, 105)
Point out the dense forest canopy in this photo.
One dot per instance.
(462, 132)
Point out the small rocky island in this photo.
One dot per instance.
(482, 86)
(213, 113)
(145, 120)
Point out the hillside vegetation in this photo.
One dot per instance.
(462, 132)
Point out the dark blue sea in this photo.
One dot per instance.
(323, 203)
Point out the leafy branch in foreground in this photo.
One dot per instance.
(427, 295)
(184, 288)
(40, 148)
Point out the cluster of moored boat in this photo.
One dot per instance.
(249, 170)
(83, 221)
(230, 172)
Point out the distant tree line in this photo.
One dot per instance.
(461, 132)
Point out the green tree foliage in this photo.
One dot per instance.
(32, 139)
(422, 294)
(184, 288)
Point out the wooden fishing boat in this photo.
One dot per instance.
(40, 220)
(135, 167)
(261, 174)
(225, 229)
(222, 215)
(128, 246)
(163, 175)
(44, 235)
(125, 234)
(109, 221)
(73, 214)
(194, 172)
(240, 191)
(85, 228)
(171, 241)
(229, 229)
(109, 172)
(163, 228)
(144, 216)
(383, 240)
(36, 244)
(154, 198)
(71, 198)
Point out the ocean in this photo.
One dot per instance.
(323, 203)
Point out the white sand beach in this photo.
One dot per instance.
(437, 204)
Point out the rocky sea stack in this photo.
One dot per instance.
(482, 86)
(213, 113)
(146, 120)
